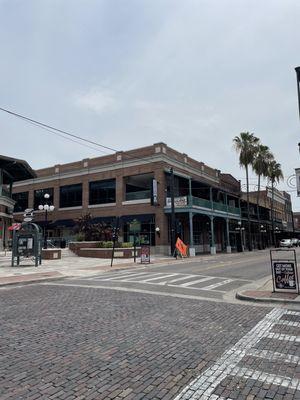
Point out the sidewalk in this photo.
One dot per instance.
(68, 266)
(264, 293)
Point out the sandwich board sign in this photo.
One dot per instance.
(284, 271)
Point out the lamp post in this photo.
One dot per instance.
(297, 69)
(240, 229)
(46, 207)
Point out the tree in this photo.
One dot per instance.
(93, 231)
(246, 145)
(275, 174)
(260, 166)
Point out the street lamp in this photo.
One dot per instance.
(46, 207)
(240, 229)
(297, 69)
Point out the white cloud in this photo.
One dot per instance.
(97, 100)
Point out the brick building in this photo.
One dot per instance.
(11, 171)
(135, 185)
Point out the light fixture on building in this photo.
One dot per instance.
(157, 230)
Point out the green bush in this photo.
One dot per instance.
(80, 237)
(127, 244)
(105, 245)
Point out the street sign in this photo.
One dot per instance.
(28, 215)
(284, 270)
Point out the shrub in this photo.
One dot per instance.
(127, 244)
(105, 245)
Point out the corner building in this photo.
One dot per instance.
(135, 185)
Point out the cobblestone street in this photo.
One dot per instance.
(63, 342)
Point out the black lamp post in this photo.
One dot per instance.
(297, 69)
(46, 207)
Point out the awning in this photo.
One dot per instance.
(106, 220)
(66, 223)
(139, 217)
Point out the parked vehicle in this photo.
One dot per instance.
(295, 242)
(286, 243)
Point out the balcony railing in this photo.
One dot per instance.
(4, 192)
(186, 201)
(143, 194)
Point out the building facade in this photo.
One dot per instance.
(135, 185)
(11, 170)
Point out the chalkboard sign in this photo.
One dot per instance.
(145, 254)
(284, 274)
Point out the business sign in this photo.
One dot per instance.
(154, 197)
(28, 215)
(145, 254)
(285, 276)
(178, 201)
(297, 171)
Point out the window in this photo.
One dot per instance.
(21, 201)
(138, 186)
(102, 192)
(70, 196)
(39, 197)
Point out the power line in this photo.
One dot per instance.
(55, 129)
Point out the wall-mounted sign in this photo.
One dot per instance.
(178, 201)
(297, 171)
(154, 198)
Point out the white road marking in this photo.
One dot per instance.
(125, 275)
(141, 278)
(218, 284)
(282, 336)
(182, 278)
(289, 323)
(158, 277)
(289, 312)
(208, 278)
(274, 356)
(204, 385)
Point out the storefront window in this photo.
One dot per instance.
(102, 192)
(70, 196)
(39, 197)
(145, 232)
(21, 201)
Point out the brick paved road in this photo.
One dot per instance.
(63, 342)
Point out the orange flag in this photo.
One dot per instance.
(181, 247)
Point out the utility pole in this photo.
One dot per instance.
(173, 222)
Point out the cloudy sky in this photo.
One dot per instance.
(129, 73)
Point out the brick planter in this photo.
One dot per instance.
(51, 254)
(90, 249)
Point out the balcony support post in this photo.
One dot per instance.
(228, 247)
(212, 232)
(192, 249)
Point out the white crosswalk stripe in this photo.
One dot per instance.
(173, 279)
(232, 363)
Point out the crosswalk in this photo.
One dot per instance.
(172, 279)
(249, 365)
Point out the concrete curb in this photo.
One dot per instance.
(244, 297)
(30, 282)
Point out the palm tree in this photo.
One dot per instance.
(260, 166)
(246, 145)
(275, 174)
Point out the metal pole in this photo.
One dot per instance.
(297, 69)
(45, 236)
(172, 184)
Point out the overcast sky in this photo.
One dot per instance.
(130, 73)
